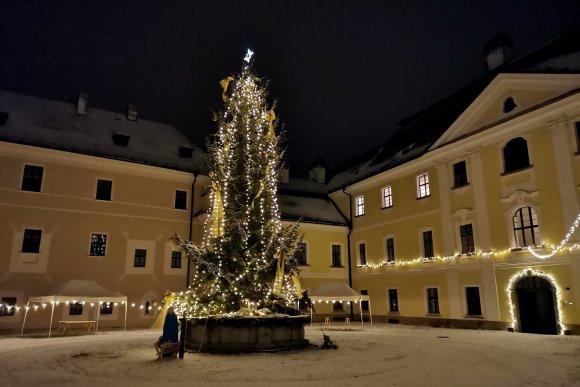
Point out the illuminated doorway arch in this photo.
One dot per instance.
(534, 299)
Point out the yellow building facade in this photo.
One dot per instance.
(443, 239)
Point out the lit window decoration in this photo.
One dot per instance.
(562, 243)
(529, 272)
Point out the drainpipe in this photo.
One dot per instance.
(348, 246)
(191, 202)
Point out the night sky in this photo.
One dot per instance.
(343, 72)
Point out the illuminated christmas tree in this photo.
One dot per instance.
(247, 254)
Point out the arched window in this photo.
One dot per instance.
(515, 155)
(526, 228)
(509, 104)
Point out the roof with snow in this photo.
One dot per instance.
(421, 130)
(310, 209)
(56, 125)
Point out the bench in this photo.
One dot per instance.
(168, 349)
(85, 325)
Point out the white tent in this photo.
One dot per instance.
(335, 291)
(78, 291)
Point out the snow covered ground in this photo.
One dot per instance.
(385, 355)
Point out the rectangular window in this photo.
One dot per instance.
(301, 257)
(390, 249)
(362, 254)
(140, 257)
(428, 244)
(337, 306)
(473, 302)
(104, 188)
(387, 197)
(460, 174)
(32, 179)
(466, 234)
(360, 205)
(106, 308)
(423, 186)
(433, 300)
(176, 259)
(336, 258)
(7, 306)
(75, 309)
(31, 241)
(180, 200)
(393, 300)
(364, 304)
(98, 245)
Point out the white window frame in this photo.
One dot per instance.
(387, 203)
(426, 192)
(460, 244)
(359, 205)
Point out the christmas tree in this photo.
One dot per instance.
(247, 255)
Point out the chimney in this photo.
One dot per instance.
(285, 175)
(132, 112)
(318, 171)
(497, 51)
(82, 103)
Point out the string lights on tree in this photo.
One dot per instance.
(247, 255)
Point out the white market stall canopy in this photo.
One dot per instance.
(338, 291)
(78, 291)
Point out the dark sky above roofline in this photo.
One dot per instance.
(343, 72)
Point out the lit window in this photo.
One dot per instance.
(32, 179)
(360, 205)
(98, 245)
(104, 188)
(466, 235)
(176, 259)
(336, 258)
(31, 241)
(526, 228)
(433, 300)
(301, 257)
(140, 258)
(423, 186)
(387, 197)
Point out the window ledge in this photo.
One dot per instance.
(531, 166)
(424, 197)
(458, 187)
(304, 264)
(433, 315)
(394, 313)
(475, 316)
(336, 267)
(387, 208)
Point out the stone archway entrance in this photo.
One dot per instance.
(536, 306)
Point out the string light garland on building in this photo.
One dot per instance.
(533, 273)
(449, 258)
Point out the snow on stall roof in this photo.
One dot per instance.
(309, 209)
(54, 124)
